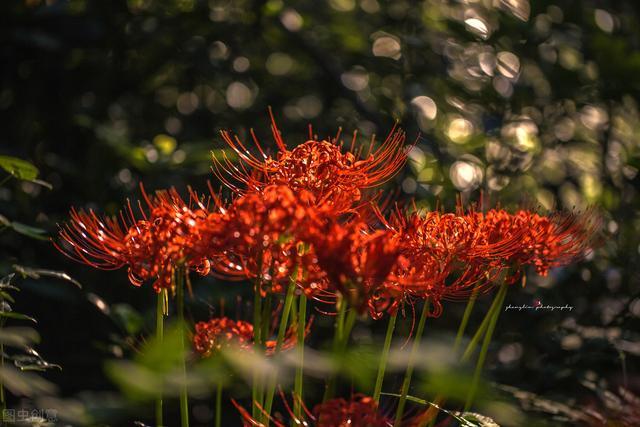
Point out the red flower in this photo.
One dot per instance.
(220, 333)
(355, 259)
(331, 174)
(263, 235)
(542, 241)
(223, 333)
(172, 233)
(358, 411)
(437, 252)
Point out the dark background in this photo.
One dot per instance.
(533, 103)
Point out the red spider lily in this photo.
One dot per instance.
(358, 411)
(444, 257)
(322, 168)
(355, 259)
(263, 235)
(223, 333)
(172, 233)
(543, 241)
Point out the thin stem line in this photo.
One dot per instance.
(337, 343)
(256, 400)
(282, 329)
(299, 382)
(485, 347)
(218, 421)
(410, 364)
(160, 338)
(465, 319)
(384, 357)
(3, 403)
(468, 352)
(181, 273)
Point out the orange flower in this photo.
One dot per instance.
(172, 233)
(223, 333)
(331, 174)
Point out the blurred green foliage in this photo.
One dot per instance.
(528, 102)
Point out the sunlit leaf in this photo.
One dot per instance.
(36, 273)
(5, 282)
(477, 419)
(18, 336)
(7, 296)
(19, 168)
(463, 422)
(17, 316)
(24, 383)
(42, 183)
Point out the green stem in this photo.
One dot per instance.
(181, 273)
(219, 404)
(471, 347)
(160, 337)
(266, 333)
(302, 324)
(2, 402)
(256, 388)
(344, 323)
(485, 347)
(410, 364)
(282, 329)
(468, 352)
(384, 357)
(465, 319)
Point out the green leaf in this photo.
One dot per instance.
(126, 316)
(19, 168)
(44, 184)
(19, 316)
(29, 231)
(18, 336)
(463, 422)
(36, 273)
(7, 296)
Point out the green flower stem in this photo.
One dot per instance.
(302, 324)
(218, 422)
(410, 364)
(159, 336)
(181, 273)
(384, 357)
(344, 323)
(465, 319)
(266, 333)
(468, 352)
(471, 347)
(3, 403)
(485, 347)
(282, 329)
(256, 400)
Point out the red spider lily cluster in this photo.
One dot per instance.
(220, 333)
(298, 215)
(303, 216)
(358, 411)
